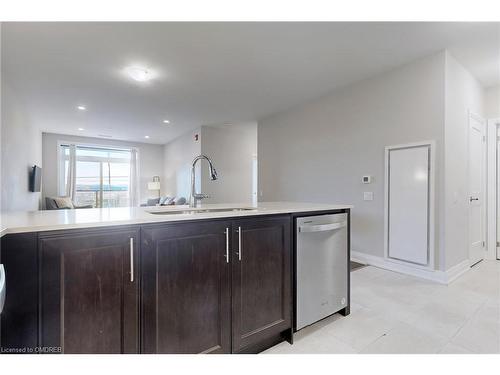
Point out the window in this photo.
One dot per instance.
(102, 175)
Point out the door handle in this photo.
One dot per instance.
(473, 199)
(227, 245)
(239, 244)
(322, 227)
(131, 260)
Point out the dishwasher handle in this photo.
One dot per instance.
(321, 227)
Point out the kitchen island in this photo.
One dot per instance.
(216, 279)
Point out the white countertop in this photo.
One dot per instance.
(37, 221)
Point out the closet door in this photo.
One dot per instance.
(408, 203)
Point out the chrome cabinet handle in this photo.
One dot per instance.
(227, 245)
(239, 243)
(131, 260)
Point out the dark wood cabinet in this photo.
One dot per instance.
(186, 288)
(19, 318)
(261, 280)
(201, 286)
(89, 291)
(198, 296)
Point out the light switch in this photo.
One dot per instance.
(368, 195)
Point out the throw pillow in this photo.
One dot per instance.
(63, 202)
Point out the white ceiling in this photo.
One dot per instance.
(212, 72)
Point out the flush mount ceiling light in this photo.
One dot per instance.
(146, 136)
(166, 121)
(81, 129)
(139, 73)
(81, 107)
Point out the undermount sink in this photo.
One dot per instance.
(188, 211)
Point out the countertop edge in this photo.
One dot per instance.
(15, 229)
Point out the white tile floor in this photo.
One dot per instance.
(395, 313)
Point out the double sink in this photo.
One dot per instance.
(190, 211)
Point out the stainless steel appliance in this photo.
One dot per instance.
(322, 267)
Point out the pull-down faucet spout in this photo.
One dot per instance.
(195, 197)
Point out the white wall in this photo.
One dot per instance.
(232, 148)
(177, 157)
(492, 102)
(150, 161)
(463, 94)
(21, 148)
(318, 152)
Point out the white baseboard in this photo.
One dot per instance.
(456, 271)
(442, 277)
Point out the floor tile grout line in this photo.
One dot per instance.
(433, 292)
(468, 320)
(412, 298)
(384, 334)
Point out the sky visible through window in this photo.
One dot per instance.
(102, 176)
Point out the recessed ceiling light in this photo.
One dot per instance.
(166, 121)
(146, 136)
(81, 107)
(139, 73)
(81, 129)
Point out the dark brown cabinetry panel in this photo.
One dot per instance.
(185, 288)
(72, 289)
(261, 280)
(89, 302)
(19, 318)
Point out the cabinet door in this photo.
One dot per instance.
(261, 302)
(186, 288)
(19, 318)
(89, 291)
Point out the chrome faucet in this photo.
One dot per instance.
(195, 197)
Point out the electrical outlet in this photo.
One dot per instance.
(368, 196)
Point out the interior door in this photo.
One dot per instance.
(476, 189)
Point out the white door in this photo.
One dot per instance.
(408, 204)
(476, 168)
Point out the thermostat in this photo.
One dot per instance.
(367, 179)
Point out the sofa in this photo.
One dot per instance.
(165, 201)
(62, 203)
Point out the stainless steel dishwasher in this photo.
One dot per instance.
(322, 267)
